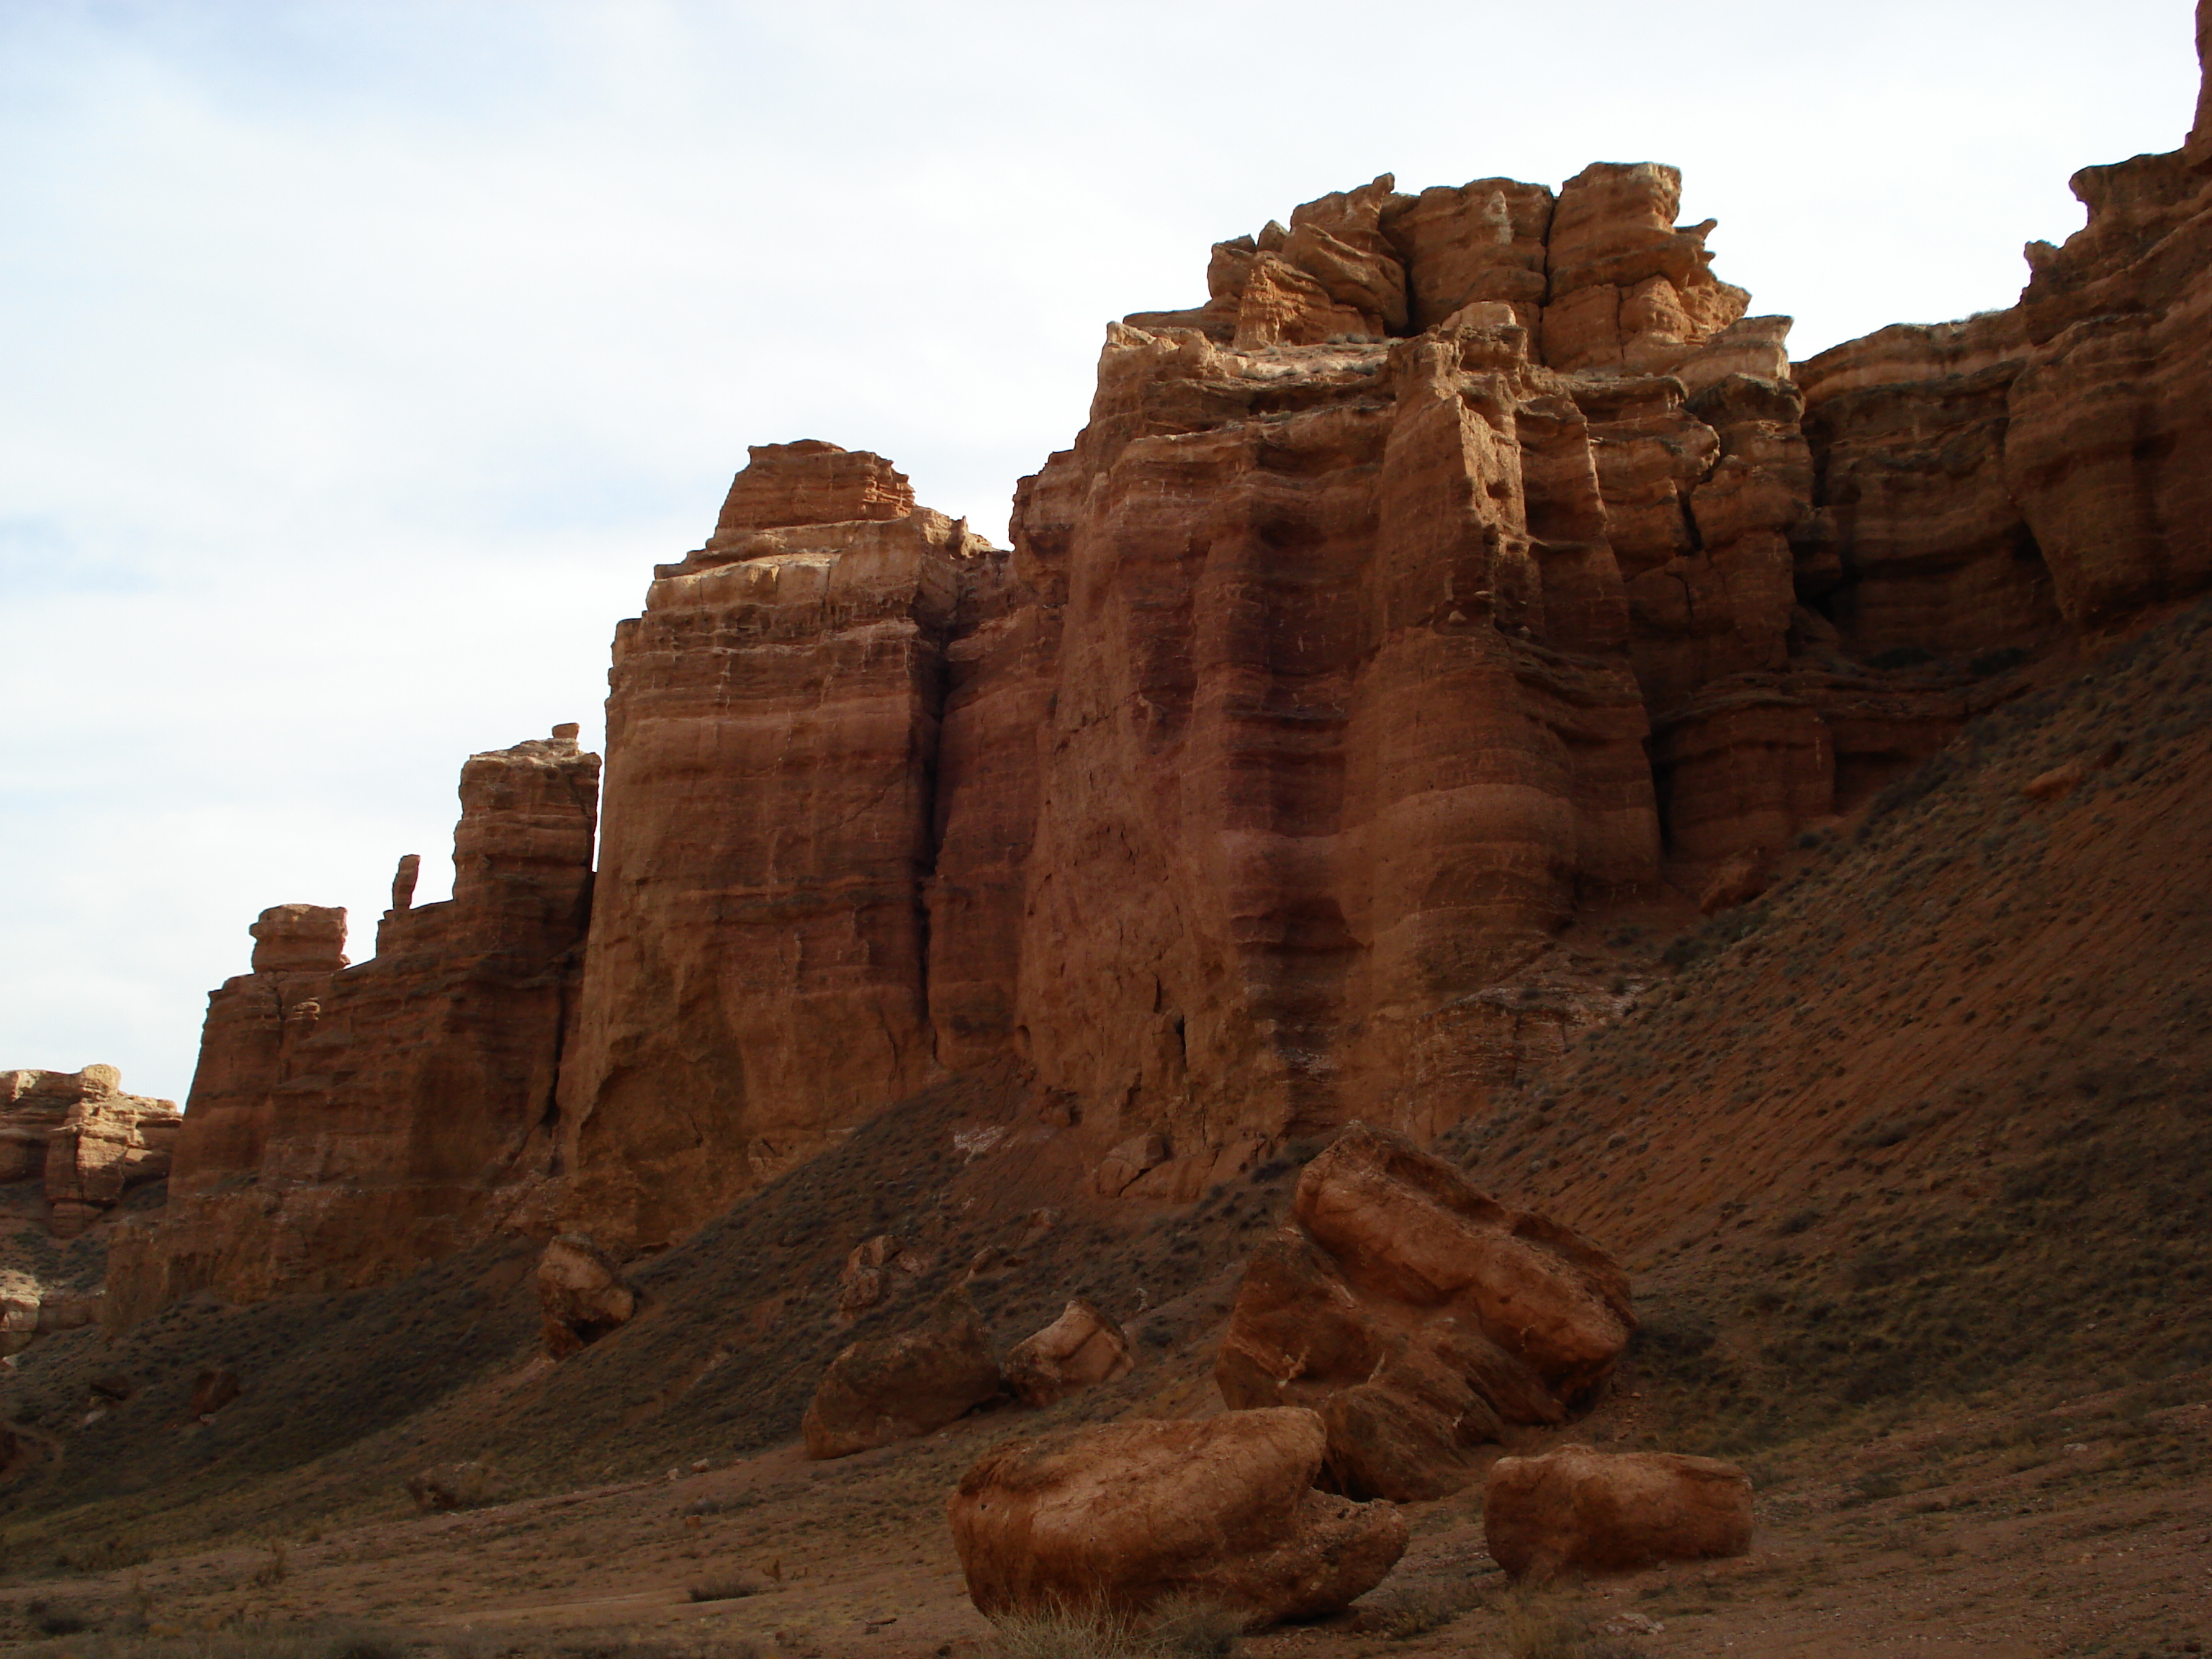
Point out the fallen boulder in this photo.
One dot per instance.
(1574, 1509)
(1418, 1316)
(886, 1389)
(454, 1486)
(213, 1389)
(1118, 1519)
(581, 1293)
(1080, 1349)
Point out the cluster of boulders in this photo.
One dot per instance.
(1401, 1320)
(896, 1388)
(1418, 1317)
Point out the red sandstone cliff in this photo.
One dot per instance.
(1466, 557)
(346, 1123)
(756, 976)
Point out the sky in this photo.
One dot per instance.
(358, 361)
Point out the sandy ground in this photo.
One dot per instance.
(1998, 1543)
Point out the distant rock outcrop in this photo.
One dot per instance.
(1117, 1520)
(1576, 1509)
(85, 1139)
(1417, 1316)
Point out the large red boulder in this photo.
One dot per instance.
(1417, 1316)
(1574, 1509)
(1118, 1519)
(887, 1388)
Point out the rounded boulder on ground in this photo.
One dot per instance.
(887, 1388)
(1123, 1517)
(1575, 1508)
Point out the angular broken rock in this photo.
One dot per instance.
(581, 1293)
(1574, 1509)
(887, 1388)
(1118, 1519)
(1414, 1314)
(1080, 1349)
(213, 1389)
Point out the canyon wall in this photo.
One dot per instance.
(1468, 562)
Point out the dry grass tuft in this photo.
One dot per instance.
(1183, 1627)
(1545, 1625)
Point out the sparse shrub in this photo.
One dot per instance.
(57, 1620)
(1542, 1625)
(1183, 1627)
(275, 1569)
(727, 1587)
(1872, 1486)
(363, 1641)
(1414, 1610)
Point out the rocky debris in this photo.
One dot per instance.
(886, 1389)
(1123, 1517)
(1740, 880)
(1417, 1316)
(20, 1297)
(1576, 1509)
(84, 1138)
(447, 1486)
(346, 1123)
(877, 1268)
(581, 1293)
(1079, 1349)
(213, 1389)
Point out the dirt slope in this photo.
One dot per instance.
(1935, 1115)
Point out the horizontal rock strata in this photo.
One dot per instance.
(1466, 556)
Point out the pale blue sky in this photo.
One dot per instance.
(358, 361)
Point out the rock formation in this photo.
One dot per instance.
(1079, 1349)
(1465, 557)
(1417, 1316)
(346, 1123)
(84, 1138)
(896, 1388)
(1121, 1518)
(1576, 1509)
(582, 1294)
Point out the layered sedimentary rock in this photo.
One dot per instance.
(1417, 1316)
(83, 1138)
(347, 1122)
(755, 980)
(1990, 483)
(1463, 556)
